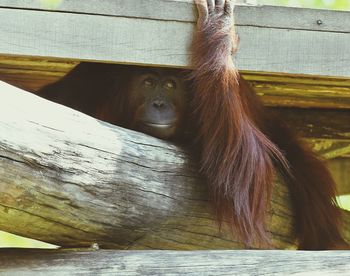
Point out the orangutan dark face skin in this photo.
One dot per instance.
(158, 98)
(240, 145)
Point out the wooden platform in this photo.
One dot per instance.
(298, 60)
(158, 32)
(293, 57)
(184, 263)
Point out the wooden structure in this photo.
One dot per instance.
(161, 263)
(295, 58)
(275, 51)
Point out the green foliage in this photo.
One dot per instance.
(50, 4)
(324, 4)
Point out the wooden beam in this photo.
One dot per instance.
(75, 181)
(300, 91)
(327, 130)
(318, 124)
(184, 10)
(275, 90)
(227, 262)
(157, 32)
(78, 181)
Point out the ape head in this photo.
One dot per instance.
(240, 171)
(235, 136)
(150, 100)
(158, 100)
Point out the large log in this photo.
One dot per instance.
(71, 180)
(111, 262)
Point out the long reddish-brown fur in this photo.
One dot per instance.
(242, 145)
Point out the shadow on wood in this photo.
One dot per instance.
(71, 180)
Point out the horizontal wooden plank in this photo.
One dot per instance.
(326, 130)
(228, 262)
(293, 51)
(184, 10)
(303, 95)
(88, 37)
(32, 73)
(275, 90)
(276, 40)
(318, 124)
(174, 10)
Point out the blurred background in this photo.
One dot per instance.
(319, 4)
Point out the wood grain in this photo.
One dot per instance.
(272, 39)
(184, 10)
(228, 262)
(275, 90)
(75, 181)
(316, 123)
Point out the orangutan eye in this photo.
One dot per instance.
(170, 85)
(149, 82)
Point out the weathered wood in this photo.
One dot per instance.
(227, 262)
(158, 32)
(275, 90)
(77, 181)
(183, 10)
(74, 181)
(318, 124)
(31, 74)
(327, 131)
(94, 37)
(301, 92)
